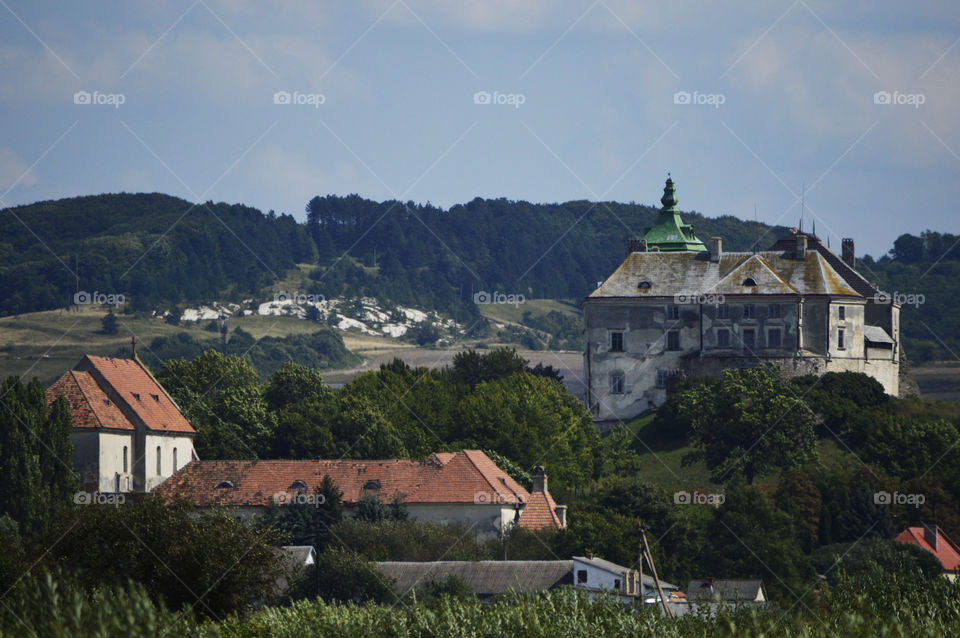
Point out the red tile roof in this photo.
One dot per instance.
(117, 393)
(947, 552)
(141, 392)
(89, 404)
(540, 512)
(468, 476)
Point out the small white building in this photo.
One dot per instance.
(128, 435)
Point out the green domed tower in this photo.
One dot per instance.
(670, 234)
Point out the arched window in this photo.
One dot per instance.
(372, 485)
(298, 485)
(644, 285)
(158, 459)
(225, 485)
(749, 281)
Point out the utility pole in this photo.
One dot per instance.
(645, 553)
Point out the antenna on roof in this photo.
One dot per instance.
(133, 347)
(803, 191)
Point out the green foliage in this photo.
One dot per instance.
(309, 519)
(346, 577)
(226, 566)
(371, 509)
(221, 397)
(36, 471)
(108, 324)
(750, 423)
(870, 559)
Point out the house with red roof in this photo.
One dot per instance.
(464, 487)
(128, 434)
(934, 540)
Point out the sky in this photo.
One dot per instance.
(751, 106)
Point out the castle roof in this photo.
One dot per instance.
(669, 233)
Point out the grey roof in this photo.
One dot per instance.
(876, 334)
(299, 554)
(692, 273)
(730, 590)
(482, 577)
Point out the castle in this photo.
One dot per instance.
(676, 308)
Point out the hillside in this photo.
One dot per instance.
(160, 253)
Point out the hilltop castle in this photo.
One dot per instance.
(675, 308)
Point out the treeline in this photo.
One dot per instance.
(923, 273)
(153, 249)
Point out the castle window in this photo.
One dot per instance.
(774, 338)
(723, 338)
(616, 584)
(644, 285)
(581, 576)
(616, 383)
(158, 459)
(124, 459)
(843, 312)
(616, 341)
(174, 459)
(774, 311)
(673, 312)
(749, 311)
(749, 281)
(749, 337)
(840, 339)
(673, 340)
(662, 375)
(723, 311)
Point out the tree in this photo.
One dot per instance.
(751, 424)
(108, 323)
(309, 521)
(221, 397)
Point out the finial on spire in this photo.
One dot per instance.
(669, 199)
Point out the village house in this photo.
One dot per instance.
(128, 435)
(464, 487)
(935, 540)
(487, 579)
(676, 308)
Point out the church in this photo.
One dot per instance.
(676, 307)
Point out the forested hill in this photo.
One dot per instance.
(152, 248)
(159, 250)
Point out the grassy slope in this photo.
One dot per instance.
(508, 313)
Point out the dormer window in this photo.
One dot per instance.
(136, 395)
(644, 285)
(156, 397)
(298, 485)
(749, 281)
(372, 485)
(225, 485)
(107, 402)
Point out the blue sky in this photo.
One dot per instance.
(588, 100)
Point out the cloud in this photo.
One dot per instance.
(14, 170)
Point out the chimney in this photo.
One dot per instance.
(801, 250)
(930, 535)
(636, 245)
(716, 248)
(562, 515)
(847, 253)
(539, 479)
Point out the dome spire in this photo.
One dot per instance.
(669, 199)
